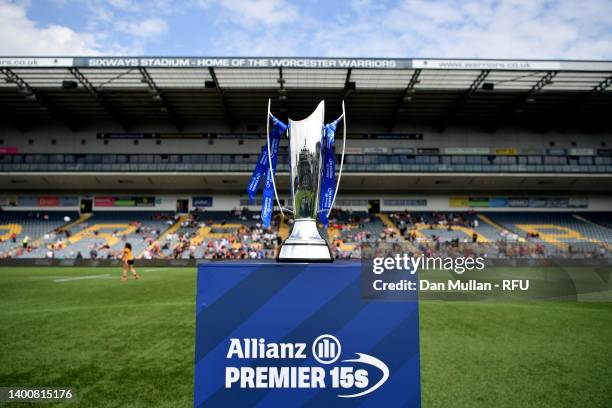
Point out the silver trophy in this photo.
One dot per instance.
(305, 243)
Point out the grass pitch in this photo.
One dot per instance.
(132, 345)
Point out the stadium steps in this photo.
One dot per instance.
(333, 234)
(215, 231)
(600, 219)
(492, 223)
(82, 218)
(172, 246)
(588, 221)
(507, 225)
(171, 230)
(444, 234)
(594, 224)
(390, 224)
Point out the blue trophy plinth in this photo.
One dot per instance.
(274, 334)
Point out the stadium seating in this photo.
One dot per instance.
(204, 234)
(238, 233)
(34, 225)
(105, 234)
(345, 225)
(562, 233)
(602, 218)
(554, 227)
(556, 233)
(446, 226)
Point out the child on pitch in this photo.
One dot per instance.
(128, 263)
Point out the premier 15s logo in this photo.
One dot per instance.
(355, 377)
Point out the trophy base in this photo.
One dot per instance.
(305, 244)
(304, 253)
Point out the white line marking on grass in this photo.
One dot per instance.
(96, 307)
(75, 278)
(155, 269)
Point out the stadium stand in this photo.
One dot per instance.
(482, 128)
(238, 234)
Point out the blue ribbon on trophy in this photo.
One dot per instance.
(328, 179)
(267, 205)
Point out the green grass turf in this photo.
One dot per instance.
(133, 345)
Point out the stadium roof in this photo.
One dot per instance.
(137, 90)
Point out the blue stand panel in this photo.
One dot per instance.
(239, 303)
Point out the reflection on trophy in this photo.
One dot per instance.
(304, 181)
(305, 243)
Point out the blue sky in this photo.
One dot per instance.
(564, 29)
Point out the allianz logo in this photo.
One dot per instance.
(325, 349)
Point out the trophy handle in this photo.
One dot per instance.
(343, 116)
(282, 210)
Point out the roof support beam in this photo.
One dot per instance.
(228, 115)
(282, 94)
(349, 87)
(601, 87)
(43, 101)
(405, 98)
(158, 95)
(100, 98)
(463, 99)
(522, 100)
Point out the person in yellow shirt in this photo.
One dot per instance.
(128, 263)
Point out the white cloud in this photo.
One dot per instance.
(124, 5)
(145, 29)
(366, 28)
(254, 12)
(159, 7)
(105, 34)
(21, 36)
(256, 27)
(268, 43)
(483, 29)
(98, 17)
(422, 28)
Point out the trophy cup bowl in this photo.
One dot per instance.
(305, 243)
